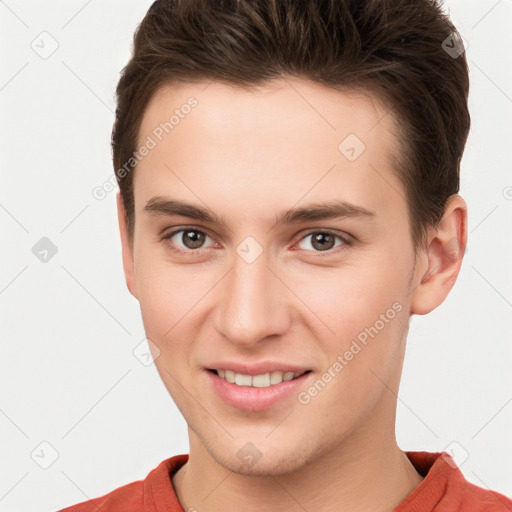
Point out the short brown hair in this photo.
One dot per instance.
(395, 49)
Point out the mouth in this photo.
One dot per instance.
(263, 380)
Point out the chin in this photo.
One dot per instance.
(277, 464)
(262, 458)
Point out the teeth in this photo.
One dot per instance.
(260, 381)
(243, 380)
(276, 377)
(257, 381)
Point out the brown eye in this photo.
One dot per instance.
(322, 241)
(186, 240)
(192, 239)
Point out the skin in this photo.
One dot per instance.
(247, 155)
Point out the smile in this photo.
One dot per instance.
(263, 380)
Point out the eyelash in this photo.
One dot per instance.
(346, 241)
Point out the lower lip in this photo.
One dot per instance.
(255, 399)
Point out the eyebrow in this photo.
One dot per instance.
(162, 206)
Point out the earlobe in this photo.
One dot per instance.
(444, 252)
(127, 250)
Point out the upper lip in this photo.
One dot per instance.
(257, 368)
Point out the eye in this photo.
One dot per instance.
(322, 241)
(190, 240)
(186, 239)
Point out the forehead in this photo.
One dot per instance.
(276, 103)
(279, 142)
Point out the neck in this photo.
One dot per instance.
(366, 472)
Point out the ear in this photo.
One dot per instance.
(443, 255)
(128, 261)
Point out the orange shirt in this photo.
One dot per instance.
(444, 489)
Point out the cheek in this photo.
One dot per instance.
(361, 364)
(364, 318)
(346, 300)
(164, 289)
(162, 297)
(172, 301)
(166, 302)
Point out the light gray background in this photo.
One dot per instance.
(69, 326)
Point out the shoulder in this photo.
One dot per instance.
(445, 489)
(140, 496)
(477, 499)
(128, 498)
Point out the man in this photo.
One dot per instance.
(288, 177)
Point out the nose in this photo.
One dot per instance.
(253, 303)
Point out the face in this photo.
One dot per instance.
(271, 241)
